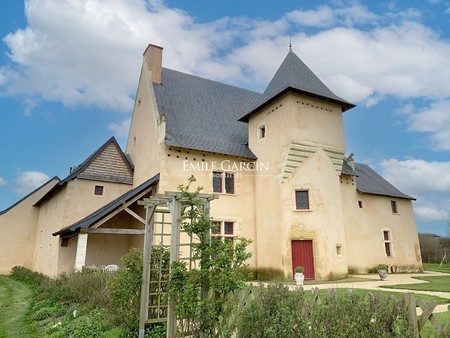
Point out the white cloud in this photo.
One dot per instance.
(2, 181)
(323, 16)
(429, 182)
(435, 120)
(89, 53)
(121, 128)
(27, 181)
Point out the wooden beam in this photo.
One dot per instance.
(148, 243)
(132, 213)
(175, 211)
(116, 231)
(121, 208)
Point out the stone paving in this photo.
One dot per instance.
(373, 282)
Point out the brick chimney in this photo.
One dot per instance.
(153, 59)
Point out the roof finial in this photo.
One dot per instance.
(290, 44)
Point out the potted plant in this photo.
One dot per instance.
(382, 271)
(299, 276)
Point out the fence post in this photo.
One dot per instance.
(412, 315)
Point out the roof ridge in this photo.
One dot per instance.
(209, 80)
(294, 74)
(29, 194)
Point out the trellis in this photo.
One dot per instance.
(170, 203)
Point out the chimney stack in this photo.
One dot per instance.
(153, 59)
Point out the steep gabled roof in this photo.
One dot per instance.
(108, 163)
(107, 209)
(294, 75)
(203, 115)
(369, 182)
(54, 179)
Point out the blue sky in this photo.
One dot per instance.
(69, 71)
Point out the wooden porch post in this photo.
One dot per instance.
(175, 211)
(148, 244)
(80, 257)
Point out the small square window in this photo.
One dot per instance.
(394, 207)
(302, 200)
(98, 190)
(262, 132)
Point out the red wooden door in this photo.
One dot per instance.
(302, 255)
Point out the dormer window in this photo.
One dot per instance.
(261, 131)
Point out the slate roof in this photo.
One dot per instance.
(76, 171)
(347, 169)
(294, 75)
(107, 209)
(203, 115)
(369, 182)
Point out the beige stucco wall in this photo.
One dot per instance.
(147, 132)
(18, 231)
(364, 230)
(318, 125)
(71, 203)
(177, 165)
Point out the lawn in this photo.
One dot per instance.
(429, 331)
(398, 295)
(15, 299)
(435, 283)
(436, 267)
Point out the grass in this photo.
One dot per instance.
(398, 295)
(445, 268)
(15, 298)
(429, 331)
(435, 283)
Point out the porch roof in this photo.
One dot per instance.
(106, 210)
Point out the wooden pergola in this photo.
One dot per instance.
(175, 203)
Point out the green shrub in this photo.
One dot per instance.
(43, 313)
(125, 286)
(34, 279)
(267, 274)
(87, 287)
(277, 312)
(93, 324)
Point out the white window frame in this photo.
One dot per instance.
(222, 235)
(389, 241)
(261, 127)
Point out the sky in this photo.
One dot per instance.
(69, 71)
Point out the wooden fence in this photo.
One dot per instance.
(408, 301)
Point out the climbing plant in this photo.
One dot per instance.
(200, 292)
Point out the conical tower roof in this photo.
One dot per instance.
(294, 75)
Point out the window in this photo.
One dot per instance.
(223, 230)
(221, 180)
(301, 199)
(98, 190)
(217, 181)
(387, 239)
(394, 207)
(262, 132)
(360, 204)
